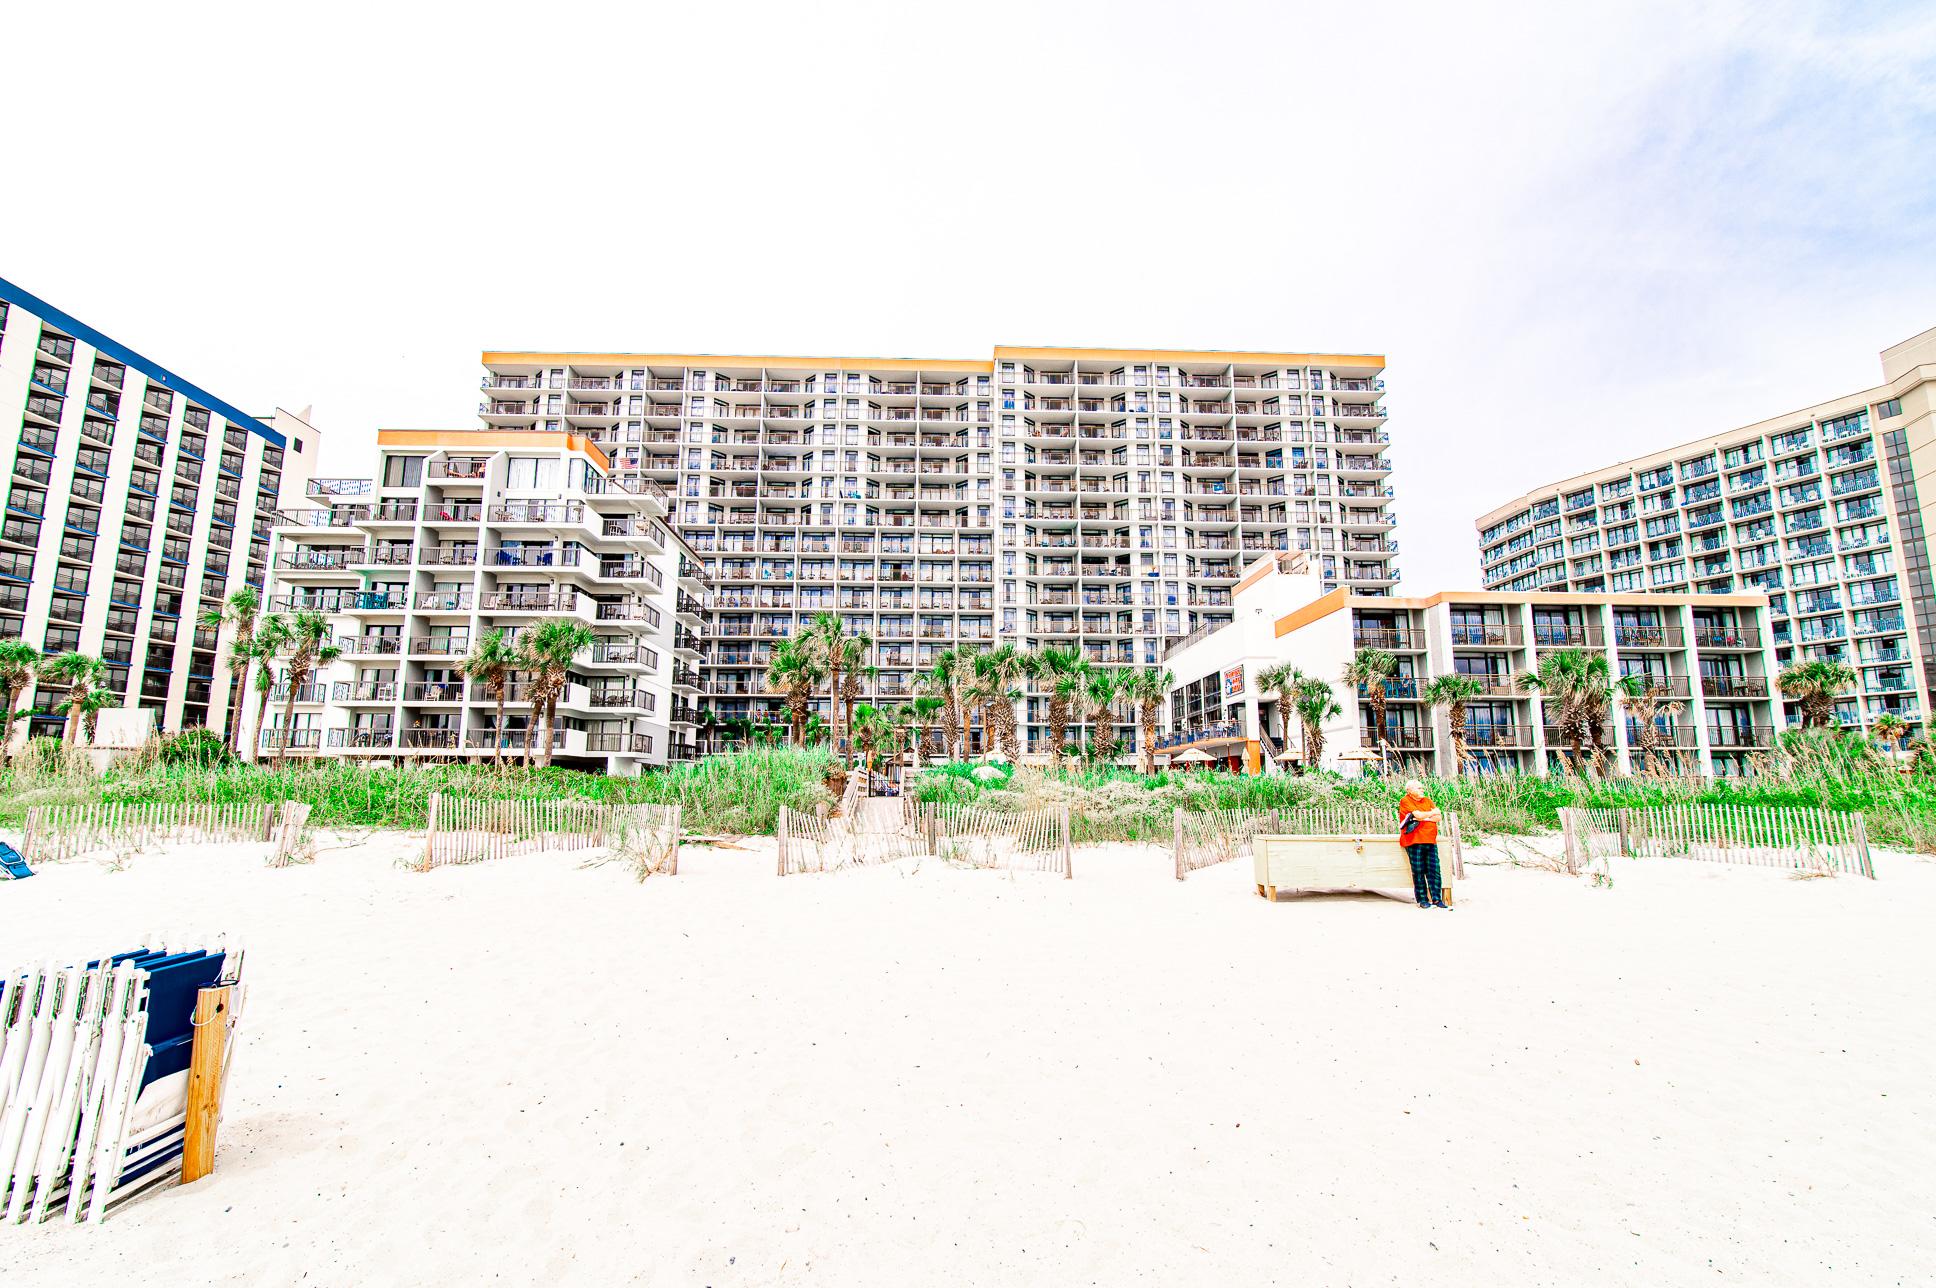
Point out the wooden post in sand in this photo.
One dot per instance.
(783, 839)
(1067, 872)
(430, 834)
(1176, 840)
(205, 1082)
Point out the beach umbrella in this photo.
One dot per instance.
(1194, 755)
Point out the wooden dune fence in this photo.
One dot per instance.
(469, 830)
(1203, 838)
(809, 843)
(649, 835)
(1022, 841)
(1813, 840)
(56, 832)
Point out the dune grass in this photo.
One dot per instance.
(739, 793)
(1110, 804)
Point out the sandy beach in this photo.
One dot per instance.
(535, 1070)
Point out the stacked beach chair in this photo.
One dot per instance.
(95, 1076)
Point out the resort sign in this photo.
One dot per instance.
(1233, 681)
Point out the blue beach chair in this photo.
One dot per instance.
(13, 863)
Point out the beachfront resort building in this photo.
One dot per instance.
(1825, 509)
(1708, 657)
(459, 533)
(136, 501)
(1103, 500)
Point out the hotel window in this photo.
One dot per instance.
(1891, 408)
(403, 471)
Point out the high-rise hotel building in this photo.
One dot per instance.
(135, 501)
(1824, 509)
(1099, 499)
(461, 534)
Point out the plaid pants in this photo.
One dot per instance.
(1425, 873)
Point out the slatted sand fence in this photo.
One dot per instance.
(1204, 838)
(464, 829)
(648, 835)
(56, 832)
(865, 834)
(1016, 841)
(1809, 840)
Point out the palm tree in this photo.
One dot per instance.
(80, 674)
(239, 610)
(1003, 667)
(942, 681)
(794, 670)
(547, 651)
(97, 701)
(1100, 688)
(1371, 671)
(262, 650)
(492, 662)
(1644, 699)
(858, 668)
(306, 637)
(1453, 691)
(1814, 685)
(1283, 679)
(1890, 728)
(826, 636)
(920, 715)
(873, 729)
(1315, 704)
(1150, 689)
(1579, 686)
(18, 659)
(1064, 673)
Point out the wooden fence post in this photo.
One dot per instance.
(1176, 839)
(1068, 872)
(1864, 864)
(430, 835)
(212, 1014)
(1626, 834)
(783, 839)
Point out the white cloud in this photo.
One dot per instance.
(1577, 231)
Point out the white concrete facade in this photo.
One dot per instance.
(1825, 510)
(462, 532)
(136, 502)
(1098, 499)
(1709, 656)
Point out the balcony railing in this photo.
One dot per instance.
(1734, 686)
(1627, 635)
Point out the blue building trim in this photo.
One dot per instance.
(128, 357)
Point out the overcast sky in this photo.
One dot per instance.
(1576, 236)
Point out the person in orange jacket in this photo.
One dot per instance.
(1418, 832)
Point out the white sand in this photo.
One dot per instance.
(532, 1071)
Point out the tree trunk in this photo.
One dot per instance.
(1149, 740)
(6, 735)
(534, 691)
(550, 729)
(261, 714)
(497, 735)
(833, 701)
(1455, 716)
(288, 720)
(71, 734)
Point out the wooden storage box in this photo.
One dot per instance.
(1375, 863)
